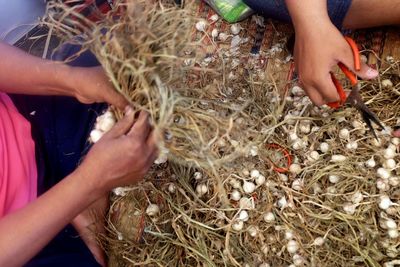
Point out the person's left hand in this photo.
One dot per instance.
(91, 85)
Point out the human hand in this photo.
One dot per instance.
(123, 155)
(318, 49)
(91, 85)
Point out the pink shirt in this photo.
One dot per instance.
(18, 174)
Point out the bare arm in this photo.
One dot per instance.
(22, 73)
(121, 157)
(319, 47)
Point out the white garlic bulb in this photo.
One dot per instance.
(333, 178)
(297, 185)
(214, 18)
(235, 29)
(389, 164)
(198, 175)
(370, 163)
(385, 202)
(235, 195)
(383, 173)
(243, 216)
(254, 174)
(260, 180)
(252, 230)
(292, 246)
(319, 241)
(324, 147)
(344, 133)
(393, 233)
(338, 158)
(249, 187)
(282, 203)
(387, 83)
(201, 189)
(96, 135)
(298, 260)
(289, 235)
(314, 155)
(295, 168)
(246, 203)
(353, 145)
(214, 33)
(391, 224)
(350, 208)
(201, 25)
(152, 210)
(269, 217)
(171, 188)
(237, 225)
(357, 197)
(389, 153)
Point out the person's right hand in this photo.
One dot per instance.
(318, 49)
(123, 155)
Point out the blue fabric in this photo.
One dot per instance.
(60, 128)
(276, 9)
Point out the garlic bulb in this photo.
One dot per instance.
(246, 203)
(289, 235)
(338, 158)
(305, 128)
(223, 36)
(260, 180)
(295, 168)
(324, 147)
(292, 246)
(235, 29)
(106, 123)
(391, 224)
(334, 179)
(283, 177)
(243, 216)
(235, 183)
(393, 233)
(382, 185)
(370, 163)
(237, 225)
(319, 241)
(385, 202)
(297, 91)
(214, 33)
(357, 197)
(387, 83)
(344, 133)
(395, 141)
(394, 181)
(235, 195)
(254, 174)
(201, 189)
(214, 18)
(252, 230)
(350, 208)
(389, 153)
(248, 187)
(383, 173)
(314, 156)
(171, 188)
(198, 175)
(352, 145)
(297, 185)
(201, 25)
(282, 203)
(389, 164)
(269, 217)
(298, 260)
(152, 210)
(96, 135)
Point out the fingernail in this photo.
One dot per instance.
(372, 73)
(128, 110)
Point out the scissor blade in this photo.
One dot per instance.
(369, 124)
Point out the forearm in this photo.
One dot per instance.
(25, 232)
(306, 13)
(26, 74)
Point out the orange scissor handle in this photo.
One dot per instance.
(348, 73)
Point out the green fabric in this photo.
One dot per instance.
(231, 10)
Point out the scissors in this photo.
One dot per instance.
(354, 98)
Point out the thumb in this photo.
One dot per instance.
(116, 99)
(366, 72)
(123, 126)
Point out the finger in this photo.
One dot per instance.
(314, 95)
(123, 126)
(327, 89)
(141, 128)
(366, 72)
(116, 99)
